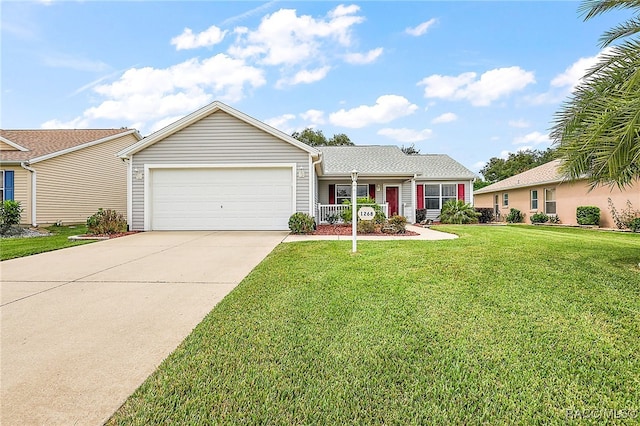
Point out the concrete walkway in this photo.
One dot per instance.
(424, 234)
(83, 327)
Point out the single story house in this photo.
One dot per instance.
(64, 175)
(220, 169)
(544, 189)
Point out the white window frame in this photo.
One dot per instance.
(2, 184)
(505, 199)
(445, 198)
(547, 202)
(532, 199)
(440, 197)
(360, 185)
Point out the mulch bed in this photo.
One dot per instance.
(346, 230)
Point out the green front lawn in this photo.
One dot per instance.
(11, 248)
(509, 324)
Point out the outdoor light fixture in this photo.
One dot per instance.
(300, 172)
(354, 208)
(137, 174)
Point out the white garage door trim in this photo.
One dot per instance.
(149, 168)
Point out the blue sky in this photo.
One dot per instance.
(473, 80)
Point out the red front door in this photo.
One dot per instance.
(392, 198)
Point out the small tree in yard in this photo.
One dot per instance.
(106, 222)
(457, 211)
(10, 214)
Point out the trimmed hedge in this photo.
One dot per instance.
(301, 223)
(515, 216)
(588, 215)
(486, 214)
(539, 217)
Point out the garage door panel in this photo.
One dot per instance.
(221, 199)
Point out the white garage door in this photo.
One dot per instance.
(221, 198)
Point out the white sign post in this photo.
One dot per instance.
(354, 209)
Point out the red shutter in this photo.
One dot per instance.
(372, 191)
(420, 196)
(332, 194)
(461, 191)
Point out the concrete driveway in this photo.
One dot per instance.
(83, 327)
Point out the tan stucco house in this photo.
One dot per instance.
(220, 169)
(544, 189)
(64, 175)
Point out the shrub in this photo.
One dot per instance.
(634, 225)
(623, 219)
(398, 224)
(366, 226)
(379, 217)
(515, 216)
(301, 223)
(106, 222)
(486, 214)
(554, 219)
(421, 215)
(539, 217)
(588, 215)
(457, 211)
(10, 214)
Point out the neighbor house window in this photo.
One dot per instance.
(343, 192)
(505, 199)
(6, 185)
(432, 197)
(534, 199)
(2, 185)
(550, 201)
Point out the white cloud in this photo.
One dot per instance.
(363, 58)
(304, 76)
(313, 116)
(281, 122)
(521, 124)
(447, 117)
(532, 138)
(421, 29)
(482, 91)
(74, 62)
(406, 135)
(76, 123)
(478, 166)
(386, 109)
(284, 38)
(149, 95)
(188, 40)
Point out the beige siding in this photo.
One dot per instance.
(220, 139)
(73, 186)
(569, 196)
(6, 147)
(22, 191)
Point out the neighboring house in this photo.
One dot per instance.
(64, 175)
(544, 189)
(220, 169)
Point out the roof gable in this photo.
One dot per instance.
(545, 173)
(205, 112)
(40, 145)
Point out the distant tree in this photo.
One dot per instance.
(410, 150)
(479, 184)
(517, 162)
(317, 138)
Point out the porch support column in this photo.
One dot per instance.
(413, 201)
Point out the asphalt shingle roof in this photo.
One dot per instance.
(44, 142)
(389, 160)
(545, 173)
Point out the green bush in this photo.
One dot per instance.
(457, 211)
(106, 222)
(539, 217)
(486, 214)
(588, 215)
(623, 219)
(515, 216)
(398, 224)
(554, 219)
(634, 225)
(370, 202)
(10, 214)
(301, 223)
(366, 226)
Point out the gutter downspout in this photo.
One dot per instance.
(33, 192)
(313, 185)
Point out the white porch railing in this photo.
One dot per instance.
(332, 213)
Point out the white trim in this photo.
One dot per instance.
(34, 195)
(204, 112)
(13, 144)
(148, 168)
(310, 177)
(85, 145)
(414, 198)
(471, 192)
(384, 196)
(130, 193)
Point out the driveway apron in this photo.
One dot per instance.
(83, 327)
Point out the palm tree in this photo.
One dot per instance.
(597, 130)
(457, 211)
